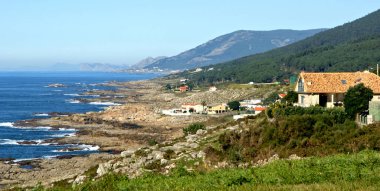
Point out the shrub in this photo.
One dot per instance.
(169, 154)
(193, 128)
(152, 142)
(234, 105)
(291, 97)
(357, 99)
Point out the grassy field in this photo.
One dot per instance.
(359, 171)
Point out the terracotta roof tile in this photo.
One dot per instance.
(338, 82)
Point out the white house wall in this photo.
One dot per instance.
(308, 100)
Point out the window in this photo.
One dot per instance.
(302, 100)
(300, 85)
(344, 82)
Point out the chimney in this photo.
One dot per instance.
(377, 69)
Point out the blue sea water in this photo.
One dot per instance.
(26, 95)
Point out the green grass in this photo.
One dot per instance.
(359, 171)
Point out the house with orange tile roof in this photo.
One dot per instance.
(328, 89)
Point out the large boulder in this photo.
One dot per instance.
(127, 153)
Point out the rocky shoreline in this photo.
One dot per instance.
(118, 129)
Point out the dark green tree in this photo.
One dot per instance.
(273, 97)
(168, 87)
(234, 105)
(291, 97)
(357, 99)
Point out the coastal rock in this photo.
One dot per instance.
(201, 132)
(104, 169)
(201, 155)
(127, 153)
(294, 157)
(158, 155)
(164, 161)
(79, 180)
(192, 138)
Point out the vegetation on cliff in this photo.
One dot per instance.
(338, 172)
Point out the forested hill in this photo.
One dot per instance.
(350, 47)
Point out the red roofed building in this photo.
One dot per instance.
(184, 88)
(328, 89)
(281, 96)
(259, 109)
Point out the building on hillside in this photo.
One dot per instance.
(183, 80)
(259, 109)
(194, 108)
(212, 89)
(175, 112)
(328, 89)
(281, 96)
(250, 104)
(216, 109)
(183, 88)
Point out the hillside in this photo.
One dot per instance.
(350, 47)
(295, 148)
(146, 62)
(232, 46)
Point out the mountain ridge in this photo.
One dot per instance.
(356, 39)
(231, 46)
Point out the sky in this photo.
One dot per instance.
(37, 33)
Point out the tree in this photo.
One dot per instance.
(357, 99)
(291, 97)
(273, 97)
(168, 87)
(204, 104)
(234, 105)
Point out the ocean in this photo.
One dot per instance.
(26, 95)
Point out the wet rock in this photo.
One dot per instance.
(27, 143)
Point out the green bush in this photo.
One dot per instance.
(311, 131)
(152, 142)
(193, 128)
(234, 105)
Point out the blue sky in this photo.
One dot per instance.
(42, 32)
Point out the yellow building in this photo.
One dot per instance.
(216, 109)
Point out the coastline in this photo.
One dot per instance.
(119, 128)
(114, 130)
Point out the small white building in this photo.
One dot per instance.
(175, 112)
(212, 89)
(183, 80)
(194, 108)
